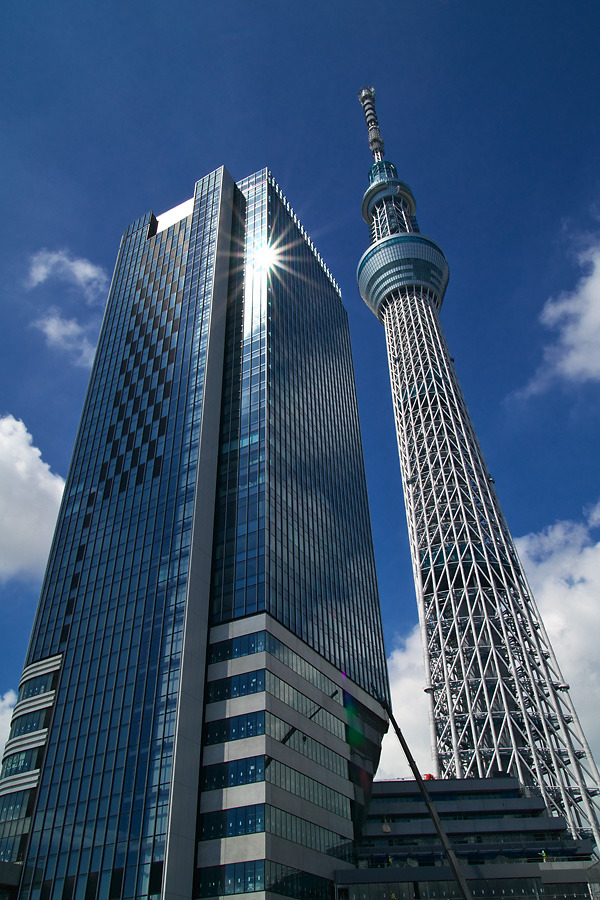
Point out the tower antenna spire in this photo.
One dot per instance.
(366, 96)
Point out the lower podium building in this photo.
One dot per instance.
(507, 843)
(196, 716)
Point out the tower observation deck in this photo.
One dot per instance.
(498, 700)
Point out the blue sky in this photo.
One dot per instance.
(490, 113)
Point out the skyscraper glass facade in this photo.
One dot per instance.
(195, 715)
(293, 532)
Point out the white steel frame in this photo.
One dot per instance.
(498, 700)
(497, 697)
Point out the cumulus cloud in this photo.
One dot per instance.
(411, 710)
(30, 495)
(563, 566)
(67, 335)
(562, 563)
(574, 356)
(7, 701)
(92, 280)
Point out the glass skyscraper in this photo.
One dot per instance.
(196, 715)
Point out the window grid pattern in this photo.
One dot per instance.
(300, 831)
(320, 555)
(291, 882)
(248, 770)
(260, 875)
(238, 580)
(234, 878)
(115, 589)
(308, 788)
(113, 599)
(486, 889)
(264, 768)
(289, 405)
(40, 684)
(23, 761)
(15, 812)
(307, 746)
(256, 723)
(261, 641)
(234, 728)
(28, 723)
(276, 493)
(263, 680)
(232, 822)
(236, 686)
(263, 817)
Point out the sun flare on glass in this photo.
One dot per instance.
(266, 257)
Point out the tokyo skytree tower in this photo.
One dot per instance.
(498, 700)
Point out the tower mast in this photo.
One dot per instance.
(497, 697)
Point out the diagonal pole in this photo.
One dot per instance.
(437, 822)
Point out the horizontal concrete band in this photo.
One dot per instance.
(41, 667)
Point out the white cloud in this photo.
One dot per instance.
(30, 495)
(593, 515)
(411, 710)
(64, 333)
(575, 354)
(67, 335)
(91, 279)
(7, 701)
(563, 567)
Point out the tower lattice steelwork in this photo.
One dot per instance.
(498, 698)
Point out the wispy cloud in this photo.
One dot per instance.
(92, 280)
(7, 701)
(563, 566)
(67, 335)
(574, 355)
(30, 495)
(593, 515)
